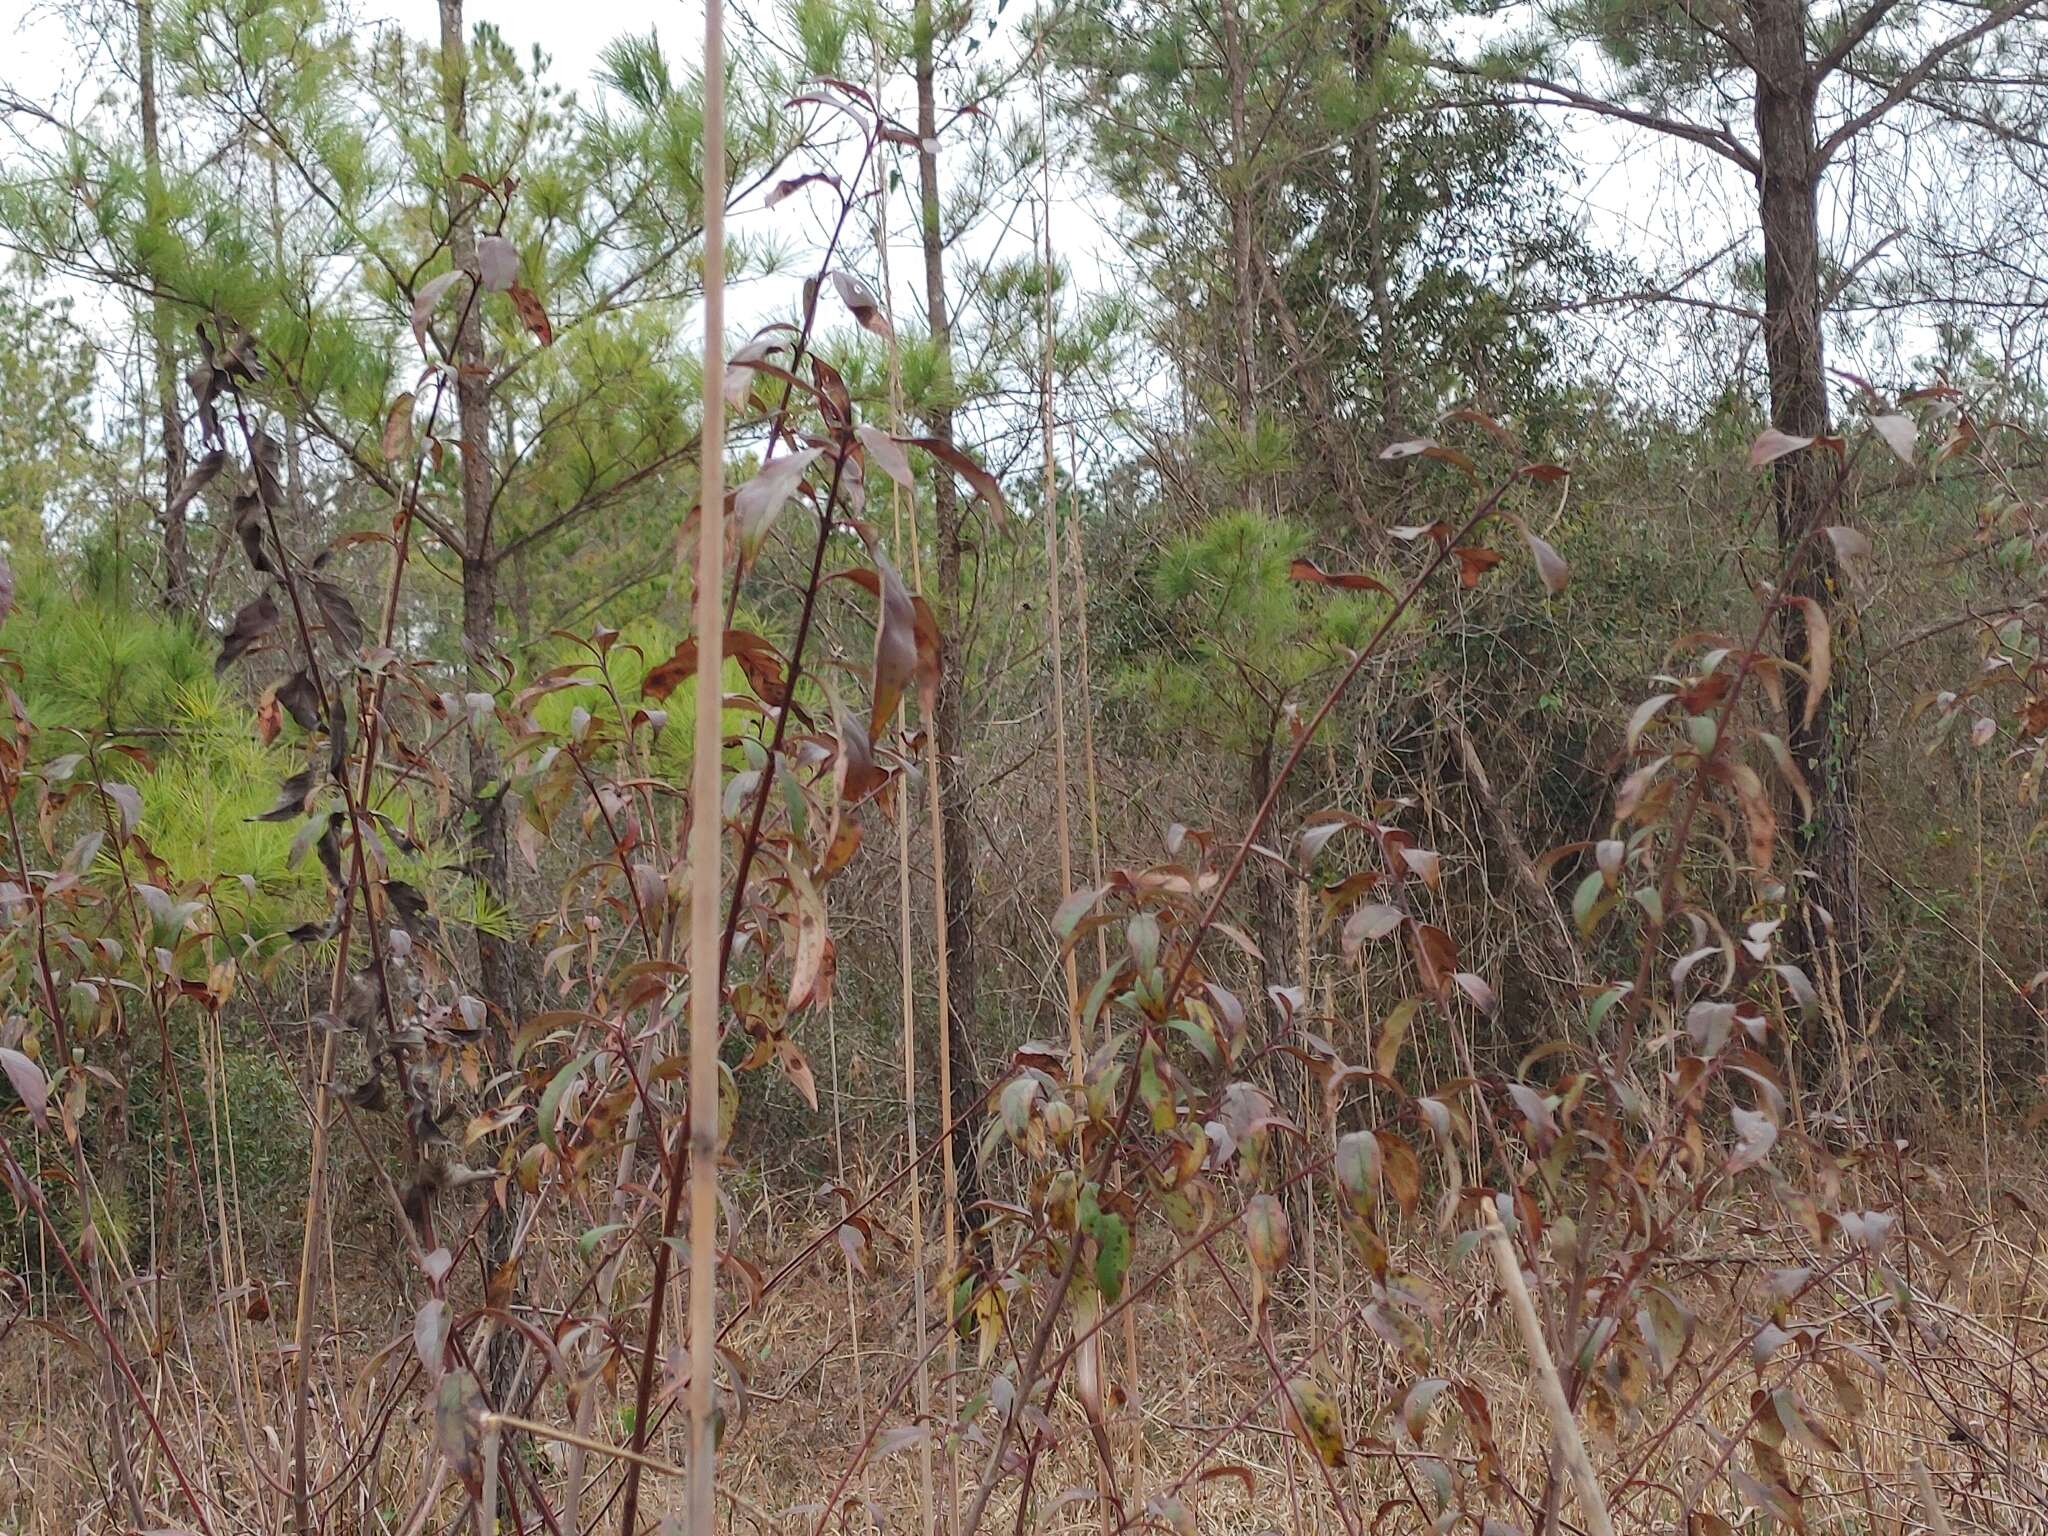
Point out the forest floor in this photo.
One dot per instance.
(1964, 1391)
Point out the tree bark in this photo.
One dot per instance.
(499, 972)
(956, 820)
(179, 597)
(1831, 908)
(1243, 287)
(1371, 22)
(1271, 899)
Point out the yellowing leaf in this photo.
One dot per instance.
(1315, 1418)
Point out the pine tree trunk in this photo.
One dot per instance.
(956, 820)
(1243, 285)
(1370, 26)
(1832, 902)
(1271, 890)
(179, 597)
(498, 964)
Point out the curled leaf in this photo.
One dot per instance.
(757, 504)
(426, 301)
(862, 304)
(30, 1086)
(251, 623)
(397, 440)
(1772, 445)
(1900, 433)
(1350, 581)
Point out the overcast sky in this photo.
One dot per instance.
(1624, 192)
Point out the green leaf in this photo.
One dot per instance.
(587, 1243)
(551, 1097)
(1112, 1236)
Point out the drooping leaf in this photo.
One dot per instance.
(1645, 712)
(252, 622)
(430, 1329)
(1755, 1134)
(757, 504)
(1428, 448)
(744, 368)
(300, 699)
(196, 480)
(1393, 1033)
(344, 625)
(1759, 818)
(458, 1428)
(1357, 1166)
(127, 800)
(895, 644)
(984, 484)
(1900, 432)
(426, 301)
(249, 528)
(1315, 1418)
(1819, 655)
(1849, 544)
(788, 185)
(533, 314)
(1477, 991)
(1772, 445)
(888, 453)
(550, 1110)
(1267, 1235)
(1474, 561)
(1077, 906)
(397, 440)
(1371, 921)
(861, 303)
(1550, 565)
(1349, 581)
(291, 796)
(30, 1086)
(497, 263)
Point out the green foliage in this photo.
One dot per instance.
(1232, 639)
(96, 665)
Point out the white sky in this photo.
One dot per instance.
(39, 61)
(1627, 195)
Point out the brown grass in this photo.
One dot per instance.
(1964, 1389)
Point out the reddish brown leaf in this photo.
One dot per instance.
(985, 485)
(1436, 954)
(1350, 581)
(1474, 561)
(663, 678)
(533, 313)
(397, 442)
(862, 304)
(1819, 655)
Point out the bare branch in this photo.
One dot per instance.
(1914, 78)
(1555, 94)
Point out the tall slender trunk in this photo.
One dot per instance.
(956, 819)
(1271, 926)
(1244, 283)
(1789, 195)
(499, 970)
(179, 596)
(1370, 27)
(294, 436)
(1271, 900)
